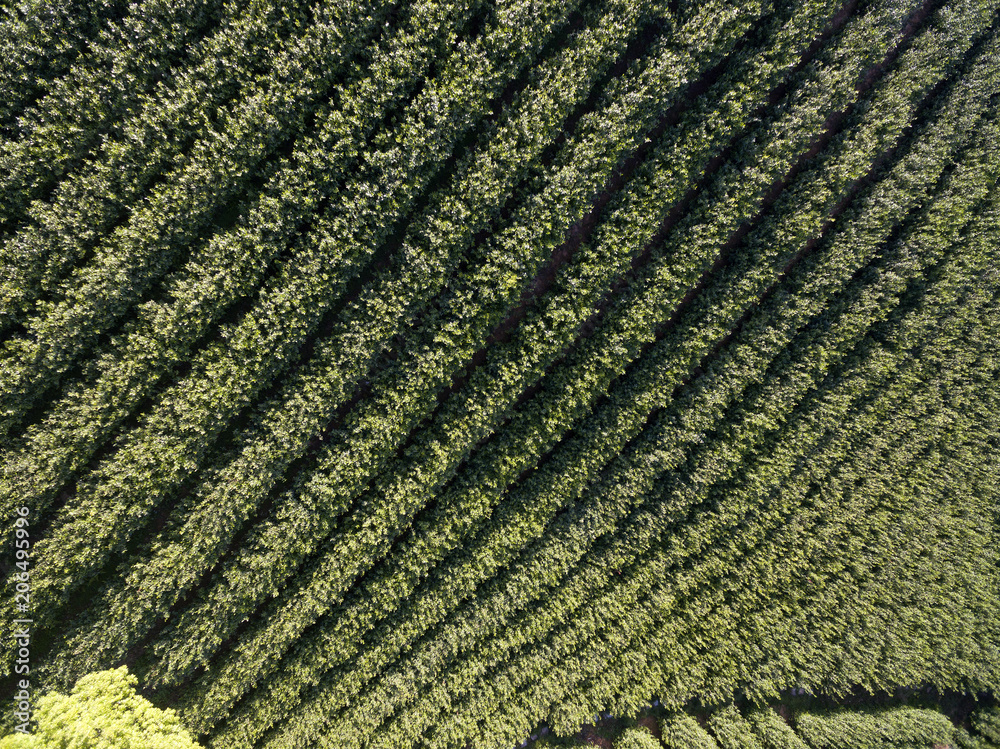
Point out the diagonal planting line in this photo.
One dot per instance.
(518, 533)
(41, 46)
(598, 571)
(946, 291)
(413, 617)
(232, 264)
(145, 148)
(146, 50)
(429, 367)
(167, 446)
(730, 507)
(509, 358)
(843, 556)
(134, 257)
(577, 528)
(281, 429)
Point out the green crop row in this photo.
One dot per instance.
(404, 393)
(156, 137)
(126, 264)
(227, 374)
(41, 46)
(762, 728)
(868, 730)
(230, 267)
(509, 680)
(555, 473)
(472, 630)
(561, 314)
(683, 632)
(282, 426)
(123, 64)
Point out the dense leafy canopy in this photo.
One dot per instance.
(102, 712)
(417, 373)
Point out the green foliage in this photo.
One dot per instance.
(418, 373)
(986, 721)
(559, 548)
(42, 40)
(102, 712)
(681, 731)
(170, 331)
(871, 729)
(966, 740)
(124, 62)
(636, 738)
(731, 729)
(772, 730)
(236, 140)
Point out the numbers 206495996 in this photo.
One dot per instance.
(22, 554)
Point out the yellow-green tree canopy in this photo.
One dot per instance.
(103, 711)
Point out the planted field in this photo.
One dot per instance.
(417, 373)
